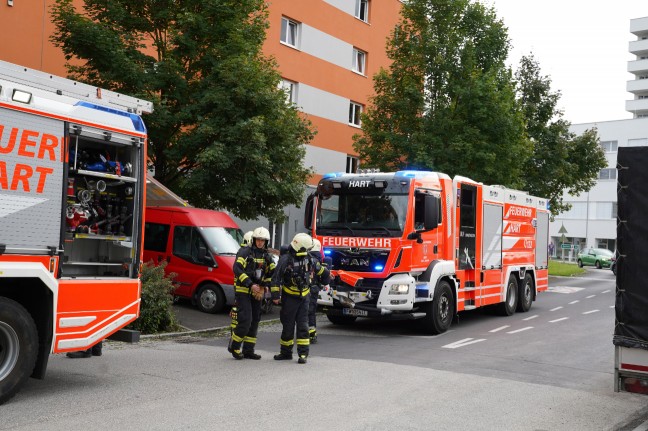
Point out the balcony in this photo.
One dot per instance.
(637, 107)
(638, 47)
(638, 66)
(637, 86)
(639, 26)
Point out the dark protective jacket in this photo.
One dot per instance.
(252, 266)
(295, 273)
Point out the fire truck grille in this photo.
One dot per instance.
(359, 260)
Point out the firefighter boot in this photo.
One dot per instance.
(236, 354)
(251, 355)
(302, 359)
(312, 333)
(282, 357)
(80, 354)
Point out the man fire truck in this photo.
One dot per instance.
(72, 167)
(420, 245)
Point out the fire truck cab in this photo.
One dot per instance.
(420, 245)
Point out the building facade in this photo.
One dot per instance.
(592, 220)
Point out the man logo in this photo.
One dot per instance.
(354, 262)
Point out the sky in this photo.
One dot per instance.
(581, 45)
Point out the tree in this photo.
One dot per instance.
(447, 101)
(561, 160)
(222, 134)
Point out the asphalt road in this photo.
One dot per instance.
(548, 369)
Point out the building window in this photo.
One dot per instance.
(609, 146)
(577, 211)
(290, 88)
(352, 165)
(289, 32)
(359, 59)
(362, 10)
(606, 210)
(607, 174)
(355, 110)
(640, 142)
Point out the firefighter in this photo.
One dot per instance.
(247, 239)
(317, 283)
(292, 279)
(247, 242)
(253, 271)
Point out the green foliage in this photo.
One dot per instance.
(561, 160)
(222, 134)
(449, 103)
(156, 313)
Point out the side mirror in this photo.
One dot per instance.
(309, 210)
(432, 211)
(416, 236)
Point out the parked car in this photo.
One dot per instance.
(598, 257)
(199, 246)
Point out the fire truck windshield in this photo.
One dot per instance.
(371, 214)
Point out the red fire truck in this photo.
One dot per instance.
(420, 245)
(72, 194)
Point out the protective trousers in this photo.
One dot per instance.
(248, 317)
(312, 309)
(294, 313)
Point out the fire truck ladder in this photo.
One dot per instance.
(67, 87)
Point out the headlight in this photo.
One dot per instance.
(399, 289)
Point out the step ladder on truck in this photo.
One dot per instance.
(72, 190)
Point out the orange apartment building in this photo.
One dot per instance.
(327, 52)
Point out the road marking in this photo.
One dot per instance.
(564, 289)
(520, 330)
(462, 343)
(591, 296)
(574, 302)
(557, 308)
(590, 312)
(558, 320)
(500, 328)
(531, 317)
(582, 278)
(606, 291)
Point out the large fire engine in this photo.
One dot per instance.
(420, 245)
(72, 178)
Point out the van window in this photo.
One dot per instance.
(188, 244)
(156, 236)
(222, 240)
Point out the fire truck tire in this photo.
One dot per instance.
(18, 347)
(341, 320)
(507, 308)
(525, 294)
(210, 298)
(440, 312)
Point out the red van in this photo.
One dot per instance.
(200, 247)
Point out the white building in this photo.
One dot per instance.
(592, 221)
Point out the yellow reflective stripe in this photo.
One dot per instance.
(249, 340)
(241, 261)
(304, 253)
(272, 266)
(242, 289)
(274, 289)
(288, 343)
(320, 271)
(296, 292)
(237, 338)
(267, 280)
(243, 277)
(303, 341)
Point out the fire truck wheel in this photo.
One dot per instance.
(18, 347)
(525, 294)
(509, 305)
(341, 320)
(210, 298)
(439, 312)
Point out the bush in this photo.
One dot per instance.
(156, 314)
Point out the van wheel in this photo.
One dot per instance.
(525, 294)
(509, 305)
(439, 312)
(210, 298)
(18, 347)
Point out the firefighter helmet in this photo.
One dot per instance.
(317, 245)
(261, 233)
(302, 242)
(247, 239)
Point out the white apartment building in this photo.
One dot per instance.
(591, 222)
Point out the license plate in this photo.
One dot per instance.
(354, 312)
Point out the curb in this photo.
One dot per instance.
(199, 331)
